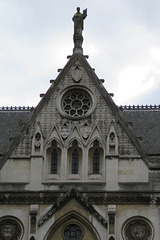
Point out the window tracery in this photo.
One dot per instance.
(76, 103)
(72, 232)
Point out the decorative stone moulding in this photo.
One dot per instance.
(137, 228)
(11, 228)
(76, 102)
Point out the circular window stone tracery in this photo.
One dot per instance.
(72, 232)
(76, 103)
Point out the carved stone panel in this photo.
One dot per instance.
(10, 229)
(137, 228)
(77, 72)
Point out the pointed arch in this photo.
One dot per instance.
(96, 159)
(32, 238)
(111, 238)
(86, 228)
(53, 155)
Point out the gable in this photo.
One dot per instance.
(79, 204)
(78, 76)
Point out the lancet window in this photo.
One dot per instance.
(75, 159)
(54, 161)
(96, 159)
(54, 157)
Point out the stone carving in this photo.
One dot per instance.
(85, 130)
(112, 142)
(64, 130)
(77, 72)
(50, 198)
(32, 199)
(37, 140)
(78, 21)
(111, 218)
(78, 27)
(138, 229)
(10, 230)
(121, 199)
(73, 194)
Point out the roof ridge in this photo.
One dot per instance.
(15, 108)
(140, 107)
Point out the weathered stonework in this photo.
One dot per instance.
(78, 167)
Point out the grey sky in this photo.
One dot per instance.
(121, 37)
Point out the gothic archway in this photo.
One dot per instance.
(72, 226)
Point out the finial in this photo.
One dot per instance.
(78, 27)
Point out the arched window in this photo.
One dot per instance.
(96, 159)
(75, 159)
(54, 161)
(74, 156)
(72, 232)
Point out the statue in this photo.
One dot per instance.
(78, 21)
(78, 27)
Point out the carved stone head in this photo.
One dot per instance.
(137, 228)
(10, 229)
(138, 231)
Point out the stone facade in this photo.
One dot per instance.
(74, 169)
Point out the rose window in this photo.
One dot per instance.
(76, 103)
(72, 232)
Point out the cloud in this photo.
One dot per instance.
(122, 39)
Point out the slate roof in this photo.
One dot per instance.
(146, 126)
(11, 124)
(144, 122)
